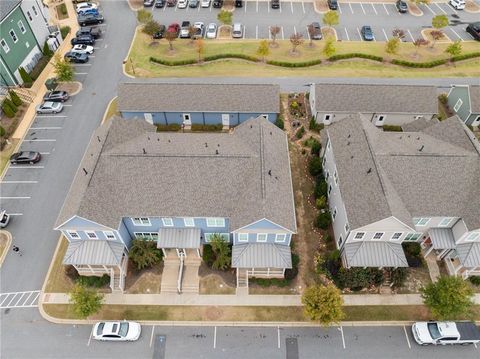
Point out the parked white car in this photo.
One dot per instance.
(86, 6)
(458, 4)
(83, 49)
(117, 331)
(205, 3)
(4, 218)
(182, 4)
(211, 31)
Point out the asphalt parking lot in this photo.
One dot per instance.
(294, 17)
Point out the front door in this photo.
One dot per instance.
(181, 252)
(148, 117)
(225, 119)
(187, 121)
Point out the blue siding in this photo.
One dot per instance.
(125, 234)
(252, 238)
(83, 234)
(78, 223)
(262, 224)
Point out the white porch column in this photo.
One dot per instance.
(178, 252)
(90, 267)
(164, 253)
(268, 272)
(198, 253)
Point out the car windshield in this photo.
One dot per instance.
(123, 329)
(433, 329)
(100, 328)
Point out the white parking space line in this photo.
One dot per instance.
(294, 29)
(440, 8)
(244, 32)
(90, 338)
(83, 64)
(385, 34)
(15, 294)
(283, 35)
(359, 34)
(257, 5)
(376, 13)
(45, 128)
(411, 36)
(406, 336)
(308, 34)
(269, 33)
(429, 8)
(4, 299)
(67, 105)
(279, 6)
(200, 7)
(49, 116)
(346, 33)
(291, 6)
(456, 34)
(343, 337)
(303, 7)
(165, 8)
(18, 182)
(278, 337)
(26, 167)
(386, 9)
(246, 2)
(215, 338)
(16, 214)
(80, 73)
(44, 153)
(361, 5)
(268, 7)
(18, 301)
(151, 336)
(28, 297)
(351, 9)
(339, 8)
(15, 197)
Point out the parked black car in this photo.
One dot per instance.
(160, 3)
(193, 3)
(275, 4)
(94, 32)
(217, 3)
(474, 30)
(84, 40)
(148, 3)
(317, 31)
(56, 96)
(25, 157)
(76, 57)
(85, 20)
(401, 6)
(238, 3)
(160, 33)
(332, 4)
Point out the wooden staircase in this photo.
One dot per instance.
(116, 281)
(242, 278)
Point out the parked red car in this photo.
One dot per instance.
(175, 28)
(171, 3)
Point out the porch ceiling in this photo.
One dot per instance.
(179, 238)
(442, 238)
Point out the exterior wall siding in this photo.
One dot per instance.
(252, 238)
(456, 93)
(39, 22)
(124, 234)
(390, 118)
(79, 223)
(83, 235)
(473, 119)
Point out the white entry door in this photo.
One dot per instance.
(148, 117)
(187, 121)
(225, 119)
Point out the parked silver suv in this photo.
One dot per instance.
(237, 31)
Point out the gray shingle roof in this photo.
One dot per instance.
(374, 254)
(180, 174)
(6, 6)
(159, 97)
(178, 238)
(469, 254)
(442, 238)
(439, 180)
(353, 98)
(93, 252)
(261, 255)
(418, 124)
(474, 98)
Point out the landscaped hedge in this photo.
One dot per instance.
(423, 65)
(171, 127)
(93, 281)
(355, 55)
(392, 128)
(470, 55)
(207, 128)
(295, 64)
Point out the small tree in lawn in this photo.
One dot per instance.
(144, 16)
(331, 18)
(263, 49)
(296, 40)
(392, 45)
(200, 48)
(27, 79)
(274, 31)
(225, 17)
(436, 35)
(454, 49)
(419, 42)
(46, 50)
(151, 28)
(440, 21)
(311, 33)
(323, 304)
(17, 101)
(170, 36)
(398, 33)
(144, 253)
(63, 69)
(85, 301)
(192, 30)
(7, 110)
(329, 48)
(450, 298)
(222, 252)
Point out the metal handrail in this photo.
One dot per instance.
(180, 274)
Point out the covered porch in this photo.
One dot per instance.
(464, 261)
(180, 242)
(440, 242)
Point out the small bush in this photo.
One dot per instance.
(423, 65)
(321, 202)
(207, 128)
(9, 103)
(38, 68)
(316, 147)
(323, 220)
(46, 50)
(65, 30)
(313, 125)
(17, 101)
(291, 273)
(392, 128)
(475, 280)
(7, 110)
(358, 278)
(170, 127)
(268, 282)
(93, 281)
(321, 188)
(315, 166)
(470, 55)
(27, 79)
(412, 248)
(208, 255)
(2, 131)
(443, 98)
(63, 9)
(300, 132)
(333, 263)
(355, 55)
(307, 96)
(279, 123)
(398, 276)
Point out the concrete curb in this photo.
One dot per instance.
(409, 5)
(447, 41)
(106, 110)
(125, 61)
(7, 247)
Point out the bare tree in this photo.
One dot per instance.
(296, 40)
(399, 34)
(311, 33)
(274, 31)
(419, 42)
(436, 35)
(170, 36)
(192, 30)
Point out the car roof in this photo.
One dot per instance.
(108, 327)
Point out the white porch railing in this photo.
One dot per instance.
(180, 274)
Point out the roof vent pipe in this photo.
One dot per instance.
(144, 152)
(84, 170)
(216, 152)
(421, 148)
(269, 172)
(369, 170)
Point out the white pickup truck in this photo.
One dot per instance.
(443, 333)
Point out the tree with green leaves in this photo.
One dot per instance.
(323, 303)
(450, 298)
(296, 40)
(7, 110)
(144, 253)
(63, 68)
(391, 46)
(329, 48)
(151, 28)
(85, 301)
(454, 49)
(2, 131)
(17, 101)
(440, 21)
(225, 17)
(331, 18)
(263, 50)
(144, 16)
(274, 31)
(222, 252)
(170, 36)
(46, 50)
(27, 79)
(9, 103)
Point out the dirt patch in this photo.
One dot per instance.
(426, 33)
(224, 32)
(321, 6)
(228, 277)
(416, 279)
(145, 281)
(414, 9)
(214, 284)
(472, 6)
(136, 4)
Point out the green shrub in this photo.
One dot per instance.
(207, 128)
(63, 9)
(424, 65)
(268, 282)
(41, 64)
(475, 280)
(17, 101)
(294, 64)
(333, 264)
(65, 30)
(93, 281)
(470, 55)
(2, 131)
(358, 278)
(279, 123)
(443, 98)
(309, 142)
(71, 272)
(307, 96)
(355, 55)
(398, 277)
(300, 132)
(316, 147)
(392, 128)
(323, 220)
(315, 166)
(10, 104)
(7, 110)
(412, 248)
(170, 127)
(27, 79)
(291, 273)
(46, 50)
(208, 256)
(313, 125)
(321, 188)
(321, 202)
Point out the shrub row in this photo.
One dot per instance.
(93, 281)
(355, 55)
(208, 128)
(470, 55)
(171, 127)
(295, 64)
(423, 65)
(392, 128)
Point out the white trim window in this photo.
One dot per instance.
(189, 222)
(381, 118)
(109, 235)
(141, 221)
(445, 222)
(21, 27)
(167, 222)
(411, 237)
(473, 236)
(13, 36)
(458, 104)
(327, 117)
(242, 237)
(396, 236)
(280, 238)
(377, 236)
(359, 236)
(334, 214)
(29, 16)
(225, 236)
(347, 227)
(340, 241)
(420, 222)
(147, 236)
(215, 222)
(73, 234)
(262, 237)
(265, 116)
(5, 46)
(35, 10)
(91, 234)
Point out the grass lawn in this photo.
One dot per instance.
(241, 314)
(6, 153)
(214, 284)
(112, 109)
(142, 50)
(3, 244)
(58, 282)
